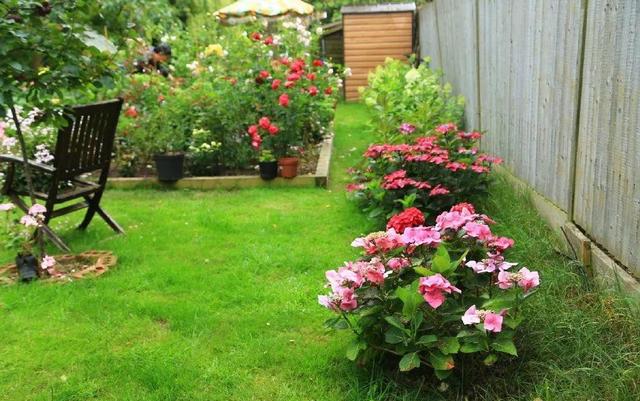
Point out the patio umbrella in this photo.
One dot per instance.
(245, 10)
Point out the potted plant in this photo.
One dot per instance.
(288, 166)
(204, 154)
(22, 237)
(268, 165)
(167, 144)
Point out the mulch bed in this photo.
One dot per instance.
(68, 267)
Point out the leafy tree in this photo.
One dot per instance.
(45, 61)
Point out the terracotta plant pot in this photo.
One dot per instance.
(170, 167)
(288, 167)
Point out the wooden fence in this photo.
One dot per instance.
(556, 85)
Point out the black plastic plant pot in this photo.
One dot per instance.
(170, 167)
(27, 267)
(268, 170)
(217, 169)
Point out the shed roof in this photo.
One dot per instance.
(379, 8)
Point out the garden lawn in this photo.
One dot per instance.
(214, 298)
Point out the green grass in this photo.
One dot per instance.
(214, 298)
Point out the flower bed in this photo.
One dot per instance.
(226, 101)
(427, 295)
(319, 178)
(434, 288)
(250, 97)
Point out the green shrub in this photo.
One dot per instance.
(401, 93)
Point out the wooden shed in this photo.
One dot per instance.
(371, 34)
(332, 42)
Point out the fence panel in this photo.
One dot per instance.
(607, 202)
(457, 30)
(530, 54)
(428, 35)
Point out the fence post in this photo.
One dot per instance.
(576, 133)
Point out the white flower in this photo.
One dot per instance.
(348, 72)
(412, 75)
(42, 155)
(319, 30)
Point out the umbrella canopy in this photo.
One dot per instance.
(263, 8)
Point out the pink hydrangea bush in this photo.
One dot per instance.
(431, 293)
(432, 173)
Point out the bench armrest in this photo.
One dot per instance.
(32, 163)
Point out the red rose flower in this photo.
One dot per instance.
(411, 217)
(293, 77)
(284, 100)
(318, 63)
(297, 66)
(264, 74)
(256, 141)
(264, 123)
(268, 41)
(256, 36)
(313, 91)
(275, 84)
(328, 91)
(131, 112)
(273, 130)
(285, 61)
(253, 130)
(289, 84)
(311, 76)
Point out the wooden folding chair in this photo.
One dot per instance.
(84, 146)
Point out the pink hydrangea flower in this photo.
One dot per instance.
(398, 263)
(348, 300)
(528, 279)
(504, 280)
(346, 276)
(29, 221)
(453, 220)
(490, 265)
(373, 271)
(47, 262)
(421, 235)
(446, 128)
(379, 242)
(471, 316)
(438, 190)
(524, 278)
(492, 321)
(479, 231)
(5, 207)
(433, 289)
(501, 243)
(37, 209)
(342, 299)
(407, 128)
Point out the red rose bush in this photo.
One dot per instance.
(427, 294)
